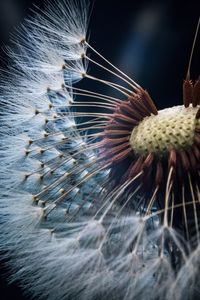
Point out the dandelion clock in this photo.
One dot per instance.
(99, 191)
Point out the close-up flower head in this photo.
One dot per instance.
(99, 187)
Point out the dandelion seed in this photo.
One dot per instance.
(100, 194)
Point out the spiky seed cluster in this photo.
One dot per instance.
(150, 143)
(127, 115)
(93, 207)
(172, 128)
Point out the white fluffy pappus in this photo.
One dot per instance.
(69, 228)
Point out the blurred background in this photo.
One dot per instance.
(149, 40)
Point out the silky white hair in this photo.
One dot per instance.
(62, 230)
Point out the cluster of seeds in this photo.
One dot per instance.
(172, 128)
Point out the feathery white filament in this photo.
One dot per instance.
(63, 228)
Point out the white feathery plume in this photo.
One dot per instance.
(68, 230)
(63, 22)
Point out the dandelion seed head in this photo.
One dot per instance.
(172, 128)
(100, 194)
